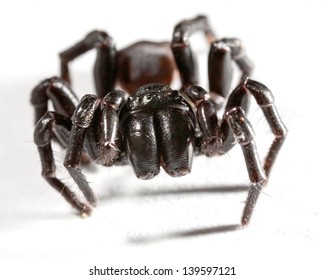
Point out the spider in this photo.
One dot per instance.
(153, 126)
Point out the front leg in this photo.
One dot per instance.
(244, 135)
(104, 69)
(265, 100)
(211, 140)
(54, 124)
(81, 120)
(235, 121)
(219, 139)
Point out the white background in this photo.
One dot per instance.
(166, 223)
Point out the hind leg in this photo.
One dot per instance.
(104, 69)
(184, 57)
(56, 91)
(220, 66)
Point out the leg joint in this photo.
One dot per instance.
(38, 95)
(99, 39)
(43, 130)
(186, 28)
(261, 93)
(85, 111)
(240, 125)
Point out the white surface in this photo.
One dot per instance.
(166, 223)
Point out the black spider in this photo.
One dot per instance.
(154, 126)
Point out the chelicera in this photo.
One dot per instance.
(146, 123)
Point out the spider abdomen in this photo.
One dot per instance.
(144, 63)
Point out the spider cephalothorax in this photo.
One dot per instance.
(153, 126)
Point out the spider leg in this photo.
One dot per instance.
(216, 139)
(219, 139)
(81, 121)
(183, 54)
(242, 131)
(265, 100)
(244, 135)
(103, 140)
(58, 92)
(104, 69)
(51, 124)
(220, 70)
(239, 55)
(63, 99)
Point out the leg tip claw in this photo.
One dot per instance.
(86, 212)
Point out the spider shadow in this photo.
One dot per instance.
(179, 191)
(140, 240)
(189, 233)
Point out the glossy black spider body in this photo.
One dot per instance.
(152, 126)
